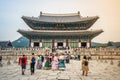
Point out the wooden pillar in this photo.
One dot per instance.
(30, 43)
(53, 42)
(40, 43)
(90, 42)
(66, 42)
(79, 43)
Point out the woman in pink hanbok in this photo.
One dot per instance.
(55, 62)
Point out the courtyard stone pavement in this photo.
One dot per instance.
(98, 70)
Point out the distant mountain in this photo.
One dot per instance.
(21, 42)
(116, 44)
(96, 44)
(110, 43)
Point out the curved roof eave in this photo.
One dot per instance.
(60, 33)
(36, 19)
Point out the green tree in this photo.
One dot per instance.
(109, 44)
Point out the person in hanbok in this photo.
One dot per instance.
(39, 62)
(61, 64)
(47, 63)
(55, 62)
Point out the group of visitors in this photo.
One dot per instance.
(23, 63)
(52, 61)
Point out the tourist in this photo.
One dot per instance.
(50, 59)
(55, 62)
(89, 57)
(42, 58)
(61, 64)
(47, 62)
(1, 60)
(39, 62)
(78, 56)
(32, 64)
(23, 62)
(85, 66)
(19, 62)
(67, 58)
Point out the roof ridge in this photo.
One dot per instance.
(60, 30)
(63, 14)
(4, 41)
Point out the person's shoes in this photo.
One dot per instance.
(23, 73)
(32, 73)
(82, 74)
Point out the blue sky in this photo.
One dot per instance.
(11, 12)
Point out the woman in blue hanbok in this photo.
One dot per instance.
(61, 64)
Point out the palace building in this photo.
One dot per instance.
(60, 30)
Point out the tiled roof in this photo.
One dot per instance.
(59, 33)
(59, 18)
(5, 44)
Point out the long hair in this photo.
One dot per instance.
(32, 53)
(84, 57)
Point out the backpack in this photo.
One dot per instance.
(86, 63)
(33, 60)
(23, 60)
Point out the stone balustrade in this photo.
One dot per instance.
(100, 53)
